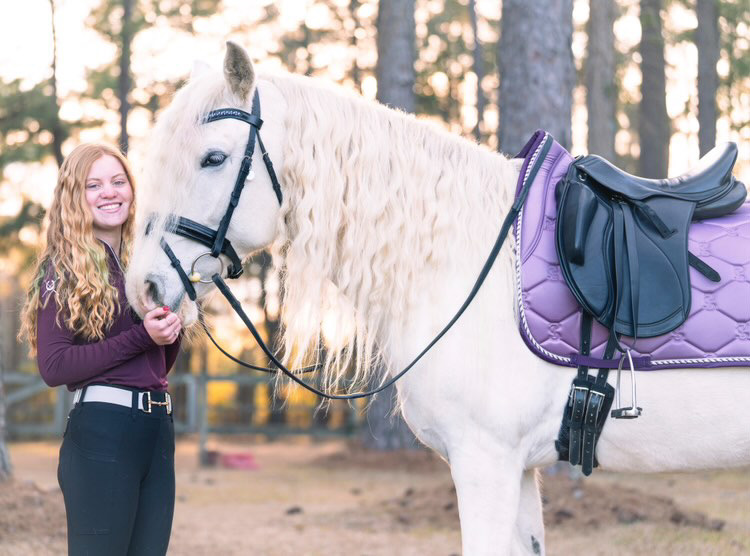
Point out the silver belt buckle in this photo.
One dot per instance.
(166, 403)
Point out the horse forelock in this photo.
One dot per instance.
(379, 204)
(169, 164)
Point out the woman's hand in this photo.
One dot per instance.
(162, 325)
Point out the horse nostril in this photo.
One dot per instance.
(155, 289)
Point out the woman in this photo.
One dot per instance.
(116, 468)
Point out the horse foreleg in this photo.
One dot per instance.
(488, 488)
(529, 533)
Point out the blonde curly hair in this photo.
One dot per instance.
(73, 257)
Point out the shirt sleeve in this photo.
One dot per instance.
(171, 351)
(61, 361)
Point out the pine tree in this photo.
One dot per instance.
(653, 121)
(601, 88)
(536, 76)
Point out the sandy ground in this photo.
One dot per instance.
(326, 498)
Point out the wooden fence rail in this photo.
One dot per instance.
(36, 411)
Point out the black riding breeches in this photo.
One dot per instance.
(116, 473)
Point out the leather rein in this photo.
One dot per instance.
(218, 244)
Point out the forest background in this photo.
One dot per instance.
(649, 84)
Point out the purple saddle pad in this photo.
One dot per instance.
(717, 330)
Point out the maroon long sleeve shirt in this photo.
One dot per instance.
(127, 356)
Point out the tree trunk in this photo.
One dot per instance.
(277, 407)
(601, 91)
(356, 73)
(478, 70)
(396, 77)
(179, 395)
(653, 122)
(202, 402)
(123, 81)
(5, 466)
(537, 74)
(707, 42)
(56, 130)
(385, 430)
(396, 54)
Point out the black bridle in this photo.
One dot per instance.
(216, 240)
(218, 243)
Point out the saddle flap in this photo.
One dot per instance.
(658, 280)
(620, 266)
(579, 213)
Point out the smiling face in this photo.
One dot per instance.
(109, 196)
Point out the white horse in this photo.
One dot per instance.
(399, 217)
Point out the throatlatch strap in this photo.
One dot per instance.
(271, 172)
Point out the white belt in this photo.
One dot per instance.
(120, 396)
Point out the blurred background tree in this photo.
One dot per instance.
(599, 74)
(481, 72)
(396, 44)
(653, 120)
(734, 65)
(120, 22)
(5, 467)
(708, 44)
(537, 75)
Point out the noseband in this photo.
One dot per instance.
(216, 240)
(219, 245)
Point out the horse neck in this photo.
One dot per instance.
(398, 214)
(419, 221)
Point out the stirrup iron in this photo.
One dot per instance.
(633, 411)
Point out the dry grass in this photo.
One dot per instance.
(322, 498)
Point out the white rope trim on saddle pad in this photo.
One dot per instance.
(700, 361)
(522, 311)
(519, 289)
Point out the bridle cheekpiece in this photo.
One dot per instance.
(216, 240)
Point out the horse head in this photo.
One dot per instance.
(205, 150)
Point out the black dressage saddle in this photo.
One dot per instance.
(622, 240)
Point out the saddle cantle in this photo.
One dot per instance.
(710, 183)
(622, 240)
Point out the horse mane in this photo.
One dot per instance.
(169, 148)
(378, 205)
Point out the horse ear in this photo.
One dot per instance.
(238, 71)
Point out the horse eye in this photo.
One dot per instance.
(214, 158)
